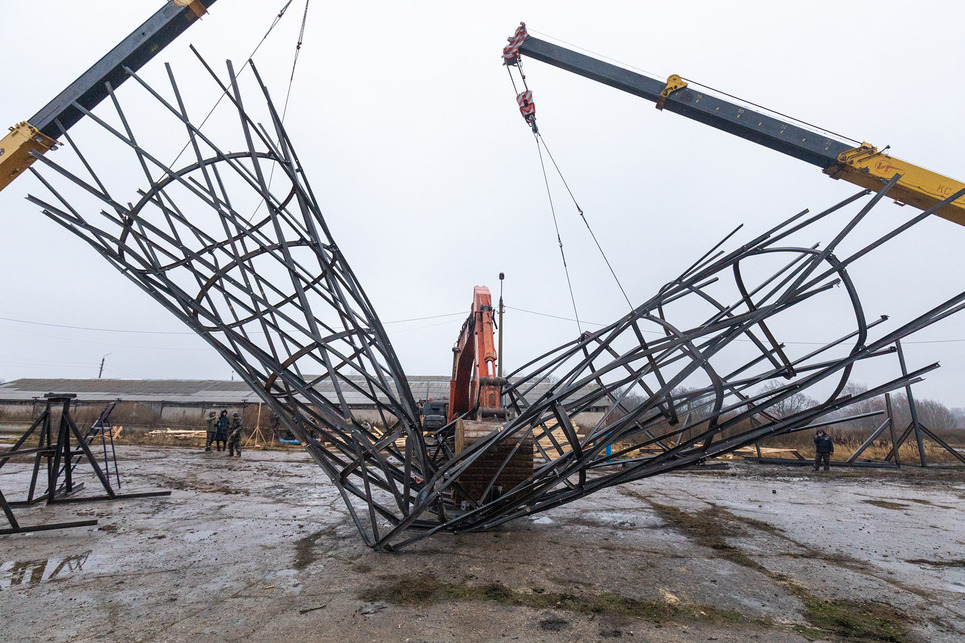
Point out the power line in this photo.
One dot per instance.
(656, 332)
(421, 327)
(400, 321)
(74, 340)
(101, 330)
(411, 319)
(569, 319)
(183, 332)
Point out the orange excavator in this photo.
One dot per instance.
(474, 390)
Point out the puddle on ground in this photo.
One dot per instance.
(33, 572)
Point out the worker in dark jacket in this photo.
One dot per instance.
(234, 437)
(823, 450)
(211, 428)
(221, 437)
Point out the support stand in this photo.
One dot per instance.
(62, 455)
(257, 437)
(17, 528)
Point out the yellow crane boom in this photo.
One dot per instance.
(39, 134)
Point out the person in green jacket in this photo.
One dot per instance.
(211, 427)
(234, 436)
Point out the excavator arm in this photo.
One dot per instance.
(39, 134)
(864, 165)
(474, 363)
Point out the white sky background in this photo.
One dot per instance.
(408, 128)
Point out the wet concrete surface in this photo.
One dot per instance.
(263, 548)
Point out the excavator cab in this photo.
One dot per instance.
(432, 414)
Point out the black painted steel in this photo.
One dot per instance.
(133, 52)
(814, 147)
(23, 529)
(61, 451)
(234, 244)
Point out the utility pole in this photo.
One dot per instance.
(499, 352)
(101, 371)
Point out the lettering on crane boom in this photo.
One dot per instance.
(885, 167)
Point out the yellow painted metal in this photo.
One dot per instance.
(918, 187)
(16, 150)
(195, 6)
(674, 82)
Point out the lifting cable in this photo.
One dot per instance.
(775, 112)
(298, 48)
(274, 23)
(528, 110)
(288, 93)
(559, 239)
(583, 216)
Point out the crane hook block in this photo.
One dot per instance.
(511, 51)
(527, 108)
(674, 83)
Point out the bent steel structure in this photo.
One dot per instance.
(232, 242)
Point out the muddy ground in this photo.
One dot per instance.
(263, 549)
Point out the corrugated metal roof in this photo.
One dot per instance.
(188, 391)
(170, 391)
(199, 391)
(125, 387)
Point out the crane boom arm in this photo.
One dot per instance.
(40, 133)
(864, 165)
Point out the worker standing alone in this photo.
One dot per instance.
(234, 437)
(823, 450)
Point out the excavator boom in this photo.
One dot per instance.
(474, 385)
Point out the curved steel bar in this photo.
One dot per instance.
(278, 300)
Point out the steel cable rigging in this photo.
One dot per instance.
(528, 110)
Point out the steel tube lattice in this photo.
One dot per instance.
(234, 244)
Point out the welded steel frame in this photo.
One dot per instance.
(45, 447)
(153, 35)
(62, 449)
(892, 459)
(398, 482)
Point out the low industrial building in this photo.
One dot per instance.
(183, 403)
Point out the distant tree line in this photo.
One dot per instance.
(944, 421)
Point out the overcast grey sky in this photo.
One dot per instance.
(407, 125)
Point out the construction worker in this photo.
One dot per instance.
(221, 435)
(823, 450)
(211, 427)
(234, 437)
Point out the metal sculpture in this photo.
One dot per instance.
(255, 271)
